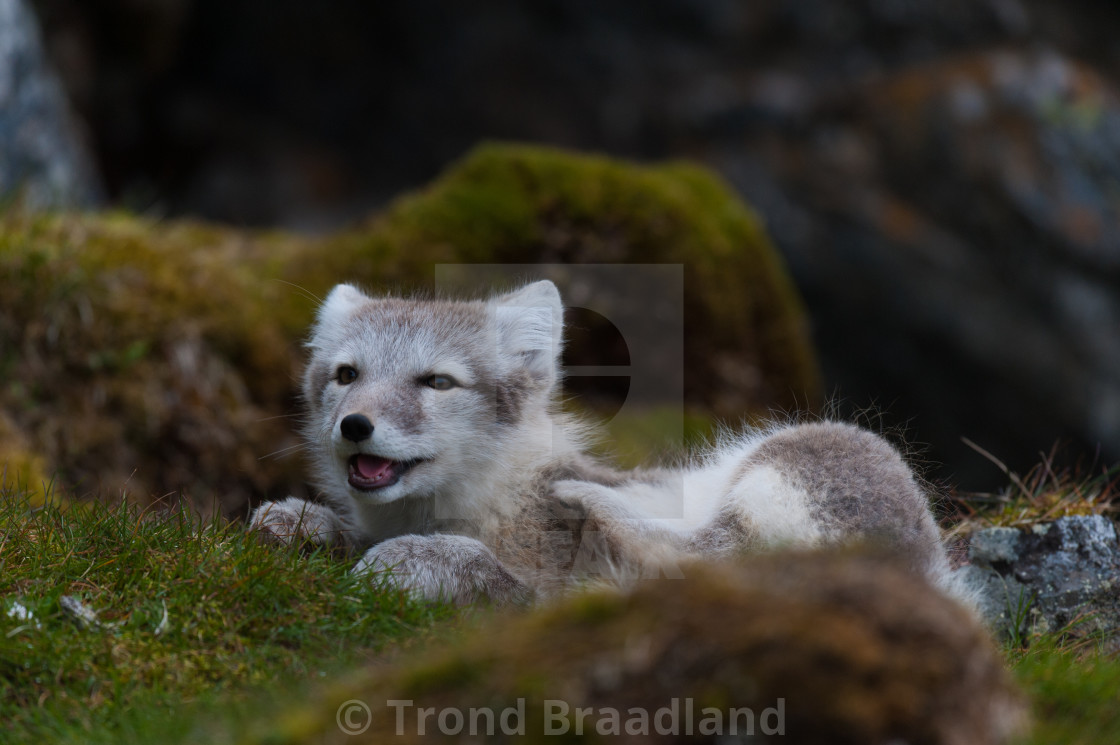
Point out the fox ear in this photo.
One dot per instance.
(340, 303)
(531, 327)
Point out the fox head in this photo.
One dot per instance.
(408, 397)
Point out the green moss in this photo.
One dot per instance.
(448, 673)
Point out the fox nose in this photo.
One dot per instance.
(356, 427)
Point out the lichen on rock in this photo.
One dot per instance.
(1057, 576)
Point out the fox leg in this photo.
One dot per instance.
(444, 567)
(293, 520)
(617, 541)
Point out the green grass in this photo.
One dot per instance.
(248, 626)
(240, 616)
(1073, 690)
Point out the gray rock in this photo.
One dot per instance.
(1047, 576)
(953, 229)
(995, 544)
(42, 159)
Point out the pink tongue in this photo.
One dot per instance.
(373, 468)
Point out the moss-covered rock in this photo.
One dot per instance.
(156, 358)
(830, 648)
(746, 346)
(144, 358)
(21, 468)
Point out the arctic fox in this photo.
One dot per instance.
(442, 456)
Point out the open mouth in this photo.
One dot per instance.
(369, 472)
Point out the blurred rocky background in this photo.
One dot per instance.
(44, 159)
(942, 176)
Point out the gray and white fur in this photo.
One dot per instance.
(441, 455)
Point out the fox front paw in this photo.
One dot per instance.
(444, 567)
(296, 521)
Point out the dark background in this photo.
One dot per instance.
(942, 176)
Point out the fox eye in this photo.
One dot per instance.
(440, 382)
(346, 375)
